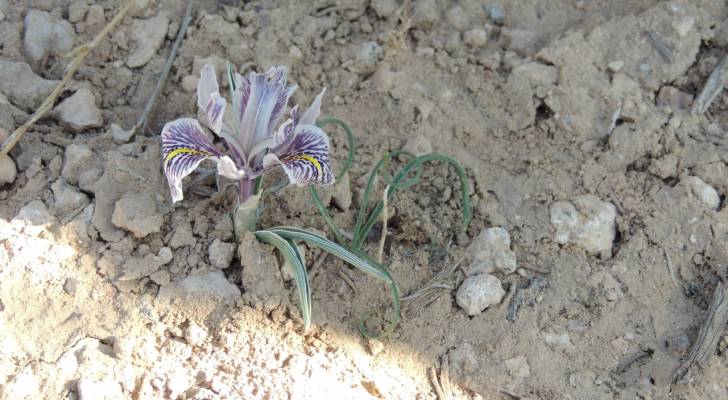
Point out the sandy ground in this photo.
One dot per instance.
(573, 121)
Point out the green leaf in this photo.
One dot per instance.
(361, 233)
(289, 250)
(357, 261)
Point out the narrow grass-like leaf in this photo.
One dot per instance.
(395, 185)
(366, 265)
(290, 253)
(325, 213)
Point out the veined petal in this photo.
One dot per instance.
(262, 99)
(209, 99)
(304, 158)
(184, 147)
(313, 111)
(285, 131)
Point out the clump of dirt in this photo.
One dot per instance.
(598, 203)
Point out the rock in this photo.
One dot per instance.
(22, 86)
(683, 25)
(496, 13)
(35, 217)
(463, 363)
(261, 276)
(491, 251)
(519, 40)
(66, 198)
(195, 334)
(104, 389)
(425, 13)
(665, 166)
(212, 284)
(518, 367)
(95, 15)
(138, 268)
(475, 38)
(189, 83)
(341, 192)
(704, 192)
(137, 213)
(362, 58)
(46, 35)
(539, 76)
(418, 145)
(457, 18)
(375, 346)
(587, 222)
(182, 236)
(674, 98)
(221, 253)
(384, 8)
(8, 171)
(148, 34)
(616, 65)
(78, 158)
(77, 10)
(119, 134)
(478, 292)
(79, 112)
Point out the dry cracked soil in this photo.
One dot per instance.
(587, 270)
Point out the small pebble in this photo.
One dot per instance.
(704, 192)
(478, 292)
(475, 38)
(8, 171)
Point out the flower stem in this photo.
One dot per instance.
(246, 188)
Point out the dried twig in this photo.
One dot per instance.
(660, 46)
(443, 388)
(710, 333)
(383, 236)
(165, 71)
(712, 87)
(432, 290)
(670, 267)
(79, 54)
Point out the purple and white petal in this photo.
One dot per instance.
(226, 167)
(209, 99)
(263, 98)
(304, 158)
(313, 111)
(184, 147)
(284, 132)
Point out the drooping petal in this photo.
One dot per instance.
(184, 147)
(262, 99)
(284, 132)
(304, 158)
(313, 111)
(209, 99)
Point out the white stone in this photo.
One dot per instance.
(491, 251)
(119, 134)
(148, 34)
(363, 58)
(518, 367)
(137, 213)
(683, 25)
(35, 213)
(418, 145)
(189, 83)
(475, 38)
(221, 253)
(78, 158)
(704, 192)
(104, 389)
(212, 284)
(79, 112)
(8, 171)
(616, 65)
(46, 35)
(587, 222)
(457, 18)
(22, 86)
(478, 292)
(385, 8)
(195, 334)
(66, 198)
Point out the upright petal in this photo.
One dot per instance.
(184, 147)
(313, 111)
(209, 99)
(304, 158)
(262, 99)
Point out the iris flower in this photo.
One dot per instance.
(254, 140)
